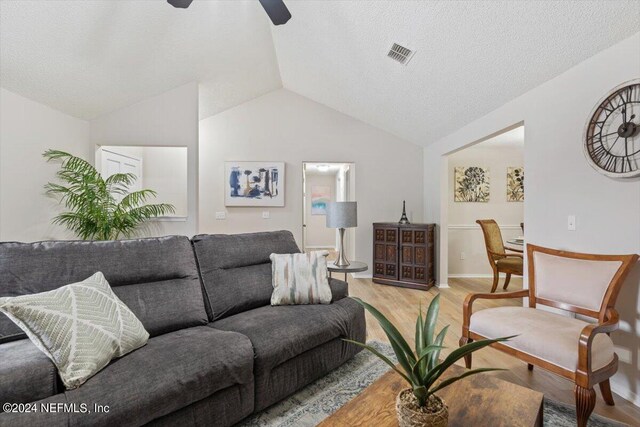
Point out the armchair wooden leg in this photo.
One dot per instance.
(585, 402)
(496, 278)
(530, 366)
(467, 358)
(506, 281)
(605, 389)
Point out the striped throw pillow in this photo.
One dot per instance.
(300, 278)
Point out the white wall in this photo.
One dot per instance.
(165, 171)
(285, 126)
(318, 235)
(465, 236)
(561, 183)
(27, 129)
(169, 119)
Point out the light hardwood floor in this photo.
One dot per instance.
(401, 307)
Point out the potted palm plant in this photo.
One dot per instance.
(100, 209)
(419, 405)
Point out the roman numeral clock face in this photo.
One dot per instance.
(612, 135)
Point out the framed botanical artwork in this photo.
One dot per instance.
(515, 184)
(471, 184)
(320, 198)
(254, 183)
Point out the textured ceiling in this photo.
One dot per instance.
(91, 57)
(471, 56)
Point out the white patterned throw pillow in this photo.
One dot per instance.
(300, 278)
(80, 327)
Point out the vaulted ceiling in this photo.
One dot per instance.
(470, 56)
(91, 57)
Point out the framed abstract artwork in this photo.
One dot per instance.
(515, 184)
(471, 184)
(254, 183)
(320, 198)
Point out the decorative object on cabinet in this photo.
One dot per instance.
(404, 254)
(342, 215)
(611, 139)
(403, 218)
(254, 184)
(515, 184)
(471, 184)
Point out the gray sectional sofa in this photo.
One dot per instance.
(218, 351)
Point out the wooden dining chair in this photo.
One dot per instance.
(499, 259)
(578, 350)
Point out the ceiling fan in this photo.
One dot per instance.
(276, 9)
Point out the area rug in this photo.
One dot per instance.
(314, 403)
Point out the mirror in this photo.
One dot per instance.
(161, 169)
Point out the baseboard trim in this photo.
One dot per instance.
(363, 275)
(626, 394)
(473, 276)
(443, 285)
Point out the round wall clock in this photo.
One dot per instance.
(612, 134)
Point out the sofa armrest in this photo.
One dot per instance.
(339, 289)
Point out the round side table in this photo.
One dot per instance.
(353, 267)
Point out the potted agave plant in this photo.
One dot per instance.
(419, 405)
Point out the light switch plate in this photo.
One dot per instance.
(221, 215)
(266, 215)
(571, 223)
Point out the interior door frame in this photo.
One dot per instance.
(350, 195)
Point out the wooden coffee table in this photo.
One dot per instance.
(478, 400)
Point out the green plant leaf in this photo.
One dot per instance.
(431, 319)
(458, 354)
(384, 358)
(392, 332)
(421, 395)
(426, 352)
(433, 360)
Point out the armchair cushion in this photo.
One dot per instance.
(545, 335)
(511, 263)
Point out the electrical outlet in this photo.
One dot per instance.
(221, 215)
(462, 255)
(571, 223)
(266, 215)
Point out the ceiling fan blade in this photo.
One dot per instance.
(276, 10)
(183, 4)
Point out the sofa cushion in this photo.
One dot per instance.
(27, 374)
(339, 289)
(80, 327)
(157, 278)
(236, 269)
(279, 333)
(171, 372)
(545, 335)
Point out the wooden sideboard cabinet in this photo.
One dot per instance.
(404, 254)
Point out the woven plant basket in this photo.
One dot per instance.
(411, 415)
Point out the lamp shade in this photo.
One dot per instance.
(342, 214)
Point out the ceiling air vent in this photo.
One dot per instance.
(400, 53)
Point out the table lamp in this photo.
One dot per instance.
(342, 215)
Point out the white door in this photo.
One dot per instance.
(113, 162)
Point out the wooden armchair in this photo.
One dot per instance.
(500, 260)
(575, 349)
